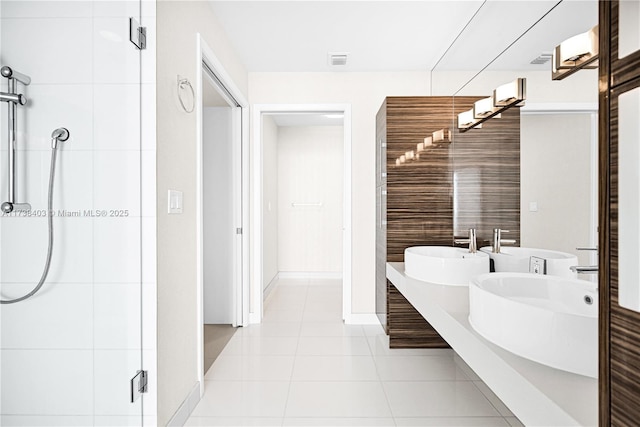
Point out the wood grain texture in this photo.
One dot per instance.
(604, 394)
(408, 329)
(624, 69)
(419, 193)
(419, 202)
(472, 182)
(619, 327)
(487, 178)
(623, 324)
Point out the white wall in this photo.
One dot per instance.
(178, 23)
(69, 351)
(365, 92)
(556, 162)
(218, 216)
(310, 170)
(270, 196)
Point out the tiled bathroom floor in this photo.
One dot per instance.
(304, 367)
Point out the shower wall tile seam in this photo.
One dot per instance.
(93, 221)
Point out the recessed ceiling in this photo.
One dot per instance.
(296, 36)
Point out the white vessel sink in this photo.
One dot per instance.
(518, 260)
(548, 319)
(444, 265)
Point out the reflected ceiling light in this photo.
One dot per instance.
(574, 54)
(504, 97)
(428, 141)
(483, 107)
(441, 135)
(403, 159)
(398, 163)
(420, 147)
(465, 119)
(510, 93)
(409, 155)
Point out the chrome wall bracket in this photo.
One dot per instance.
(138, 384)
(137, 34)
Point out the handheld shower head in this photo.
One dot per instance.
(60, 134)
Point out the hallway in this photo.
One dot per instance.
(303, 367)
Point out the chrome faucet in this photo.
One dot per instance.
(498, 240)
(585, 269)
(473, 246)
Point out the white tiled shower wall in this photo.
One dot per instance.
(67, 353)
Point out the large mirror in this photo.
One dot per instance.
(558, 123)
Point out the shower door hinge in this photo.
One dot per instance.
(137, 34)
(238, 230)
(138, 385)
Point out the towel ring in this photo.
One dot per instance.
(182, 84)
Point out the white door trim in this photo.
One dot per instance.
(240, 136)
(255, 315)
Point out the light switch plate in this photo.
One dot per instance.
(175, 202)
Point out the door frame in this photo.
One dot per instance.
(257, 296)
(240, 171)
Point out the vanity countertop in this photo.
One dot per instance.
(537, 394)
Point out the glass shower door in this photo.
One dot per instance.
(68, 353)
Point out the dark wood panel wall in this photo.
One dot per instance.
(424, 207)
(419, 192)
(487, 179)
(619, 327)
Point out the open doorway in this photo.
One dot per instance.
(303, 202)
(218, 223)
(222, 195)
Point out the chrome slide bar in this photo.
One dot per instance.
(13, 99)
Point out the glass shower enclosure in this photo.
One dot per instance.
(68, 352)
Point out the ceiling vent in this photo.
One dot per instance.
(542, 59)
(338, 58)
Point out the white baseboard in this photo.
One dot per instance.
(310, 275)
(184, 411)
(362, 319)
(254, 318)
(269, 288)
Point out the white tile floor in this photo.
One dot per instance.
(304, 367)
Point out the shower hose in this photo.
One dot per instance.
(58, 135)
